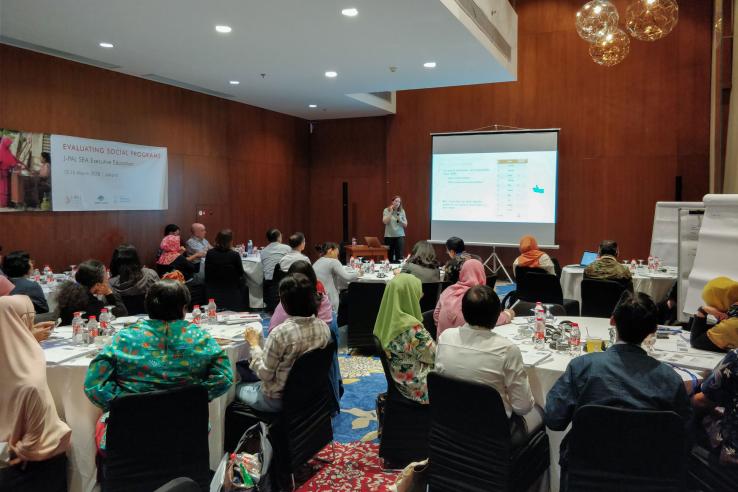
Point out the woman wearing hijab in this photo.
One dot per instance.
(172, 258)
(37, 438)
(7, 163)
(532, 257)
(721, 300)
(448, 310)
(407, 344)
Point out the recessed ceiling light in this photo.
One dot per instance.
(106, 45)
(312, 105)
(429, 64)
(234, 82)
(223, 29)
(352, 12)
(331, 74)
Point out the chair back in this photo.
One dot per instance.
(429, 323)
(304, 426)
(135, 304)
(364, 299)
(271, 289)
(534, 286)
(624, 449)
(491, 279)
(155, 437)
(472, 453)
(227, 298)
(182, 484)
(599, 297)
(431, 292)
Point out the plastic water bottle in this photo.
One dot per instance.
(632, 265)
(575, 340)
(78, 325)
(197, 315)
(651, 264)
(371, 266)
(250, 248)
(93, 329)
(539, 336)
(353, 241)
(36, 275)
(212, 312)
(106, 329)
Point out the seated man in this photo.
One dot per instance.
(297, 243)
(474, 352)
(456, 251)
(18, 267)
(624, 376)
(607, 266)
(273, 252)
(197, 246)
(300, 333)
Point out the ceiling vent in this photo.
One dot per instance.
(484, 23)
(185, 85)
(58, 53)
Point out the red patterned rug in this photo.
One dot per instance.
(355, 468)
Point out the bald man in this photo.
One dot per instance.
(197, 245)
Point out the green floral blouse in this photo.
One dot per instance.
(154, 355)
(411, 356)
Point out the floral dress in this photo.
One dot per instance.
(411, 356)
(155, 355)
(721, 387)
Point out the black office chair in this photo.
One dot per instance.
(470, 449)
(706, 473)
(525, 308)
(135, 304)
(429, 323)
(271, 289)
(491, 280)
(405, 424)
(431, 291)
(303, 427)
(618, 449)
(228, 297)
(155, 437)
(364, 299)
(535, 286)
(182, 484)
(599, 297)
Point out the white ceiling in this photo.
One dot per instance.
(293, 42)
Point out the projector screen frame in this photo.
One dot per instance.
(486, 132)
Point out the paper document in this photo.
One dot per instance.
(689, 360)
(533, 358)
(232, 332)
(59, 353)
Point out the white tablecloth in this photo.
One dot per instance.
(255, 280)
(655, 285)
(543, 376)
(66, 381)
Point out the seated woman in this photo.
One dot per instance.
(325, 311)
(37, 438)
(423, 263)
(172, 258)
(6, 286)
(409, 348)
(532, 257)
(448, 313)
(128, 277)
(332, 273)
(301, 332)
(224, 275)
(18, 266)
(160, 353)
(90, 293)
(721, 300)
(720, 389)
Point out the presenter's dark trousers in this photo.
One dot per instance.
(396, 248)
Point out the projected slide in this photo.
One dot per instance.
(495, 187)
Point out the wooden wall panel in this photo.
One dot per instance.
(248, 163)
(627, 131)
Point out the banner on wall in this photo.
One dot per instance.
(86, 174)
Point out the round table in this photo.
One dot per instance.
(66, 382)
(543, 376)
(656, 285)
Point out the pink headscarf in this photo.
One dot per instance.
(28, 418)
(170, 250)
(7, 159)
(6, 286)
(448, 310)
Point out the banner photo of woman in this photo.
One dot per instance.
(25, 171)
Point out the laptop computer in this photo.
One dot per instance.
(587, 258)
(372, 242)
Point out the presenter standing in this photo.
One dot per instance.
(395, 222)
